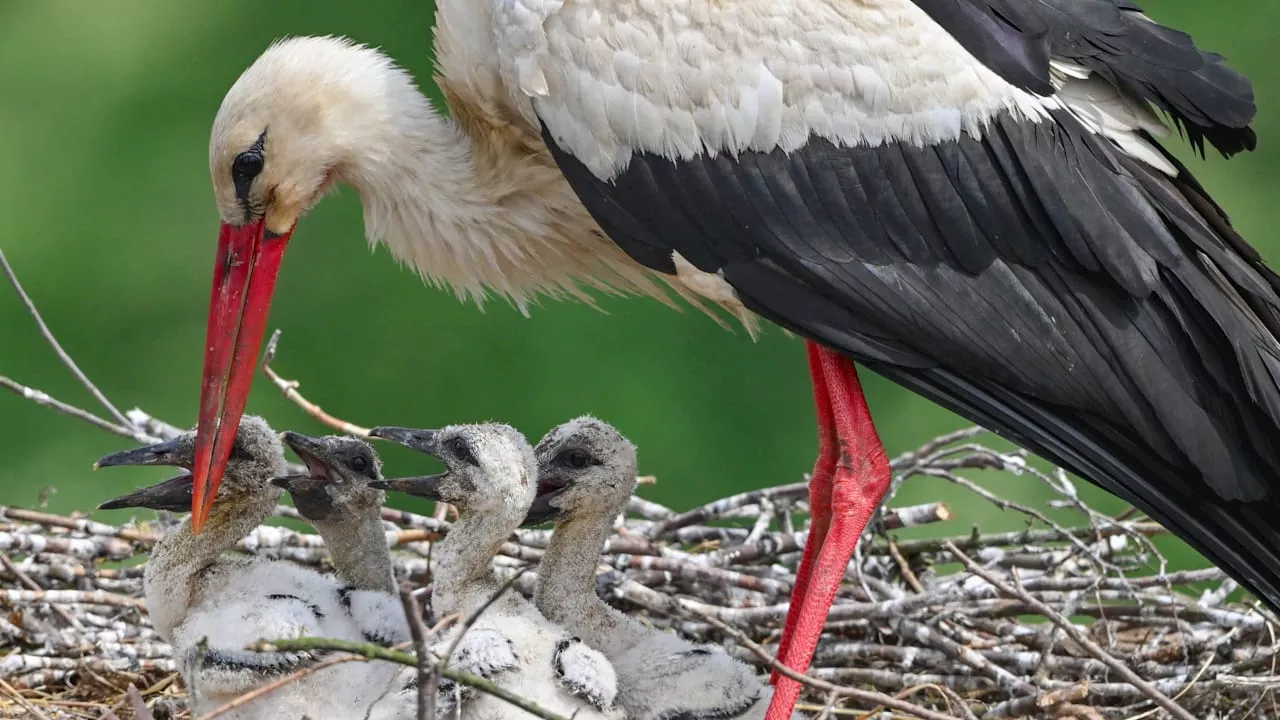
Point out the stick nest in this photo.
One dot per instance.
(1033, 623)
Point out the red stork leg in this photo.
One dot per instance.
(849, 480)
(819, 495)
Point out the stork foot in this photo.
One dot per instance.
(850, 479)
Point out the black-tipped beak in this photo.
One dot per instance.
(165, 453)
(542, 510)
(305, 446)
(426, 441)
(173, 495)
(423, 486)
(300, 483)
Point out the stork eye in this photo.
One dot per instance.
(576, 458)
(358, 463)
(247, 165)
(462, 451)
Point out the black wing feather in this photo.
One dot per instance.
(1017, 38)
(1037, 280)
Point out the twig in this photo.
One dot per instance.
(33, 585)
(1016, 537)
(428, 679)
(290, 390)
(904, 567)
(71, 597)
(57, 348)
(153, 426)
(254, 694)
(41, 397)
(1057, 619)
(90, 547)
(862, 695)
(377, 652)
(17, 696)
(84, 525)
(474, 616)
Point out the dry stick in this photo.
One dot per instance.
(57, 348)
(947, 694)
(864, 695)
(904, 567)
(290, 390)
(364, 650)
(418, 631)
(152, 425)
(33, 585)
(1074, 633)
(72, 597)
(84, 525)
(17, 696)
(258, 692)
(41, 397)
(471, 620)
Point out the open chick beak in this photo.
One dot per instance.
(542, 510)
(426, 441)
(310, 450)
(244, 278)
(173, 495)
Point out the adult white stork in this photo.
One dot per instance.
(966, 196)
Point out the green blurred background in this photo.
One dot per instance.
(108, 218)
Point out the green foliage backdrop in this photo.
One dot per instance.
(106, 212)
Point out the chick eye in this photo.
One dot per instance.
(358, 463)
(462, 451)
(247, 165)
(575, 458)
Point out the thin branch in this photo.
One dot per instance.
(377, 652)
(843, 691)
(17, 697)
(80, 524)
(258, 692)
(290, 390)
(33, 585)
(40, 397)
(57, 347)
(1074, 633)
(473, 617)
(428, 680)
(72, 597)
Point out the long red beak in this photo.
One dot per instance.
(244, 279)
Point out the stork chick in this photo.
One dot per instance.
(210, 605)
(336, 498)
(491, 478)
(586, 474)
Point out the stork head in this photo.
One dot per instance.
(586, 468)
(336, 485)
(256, 457)
(490, 468)
(292, 125)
